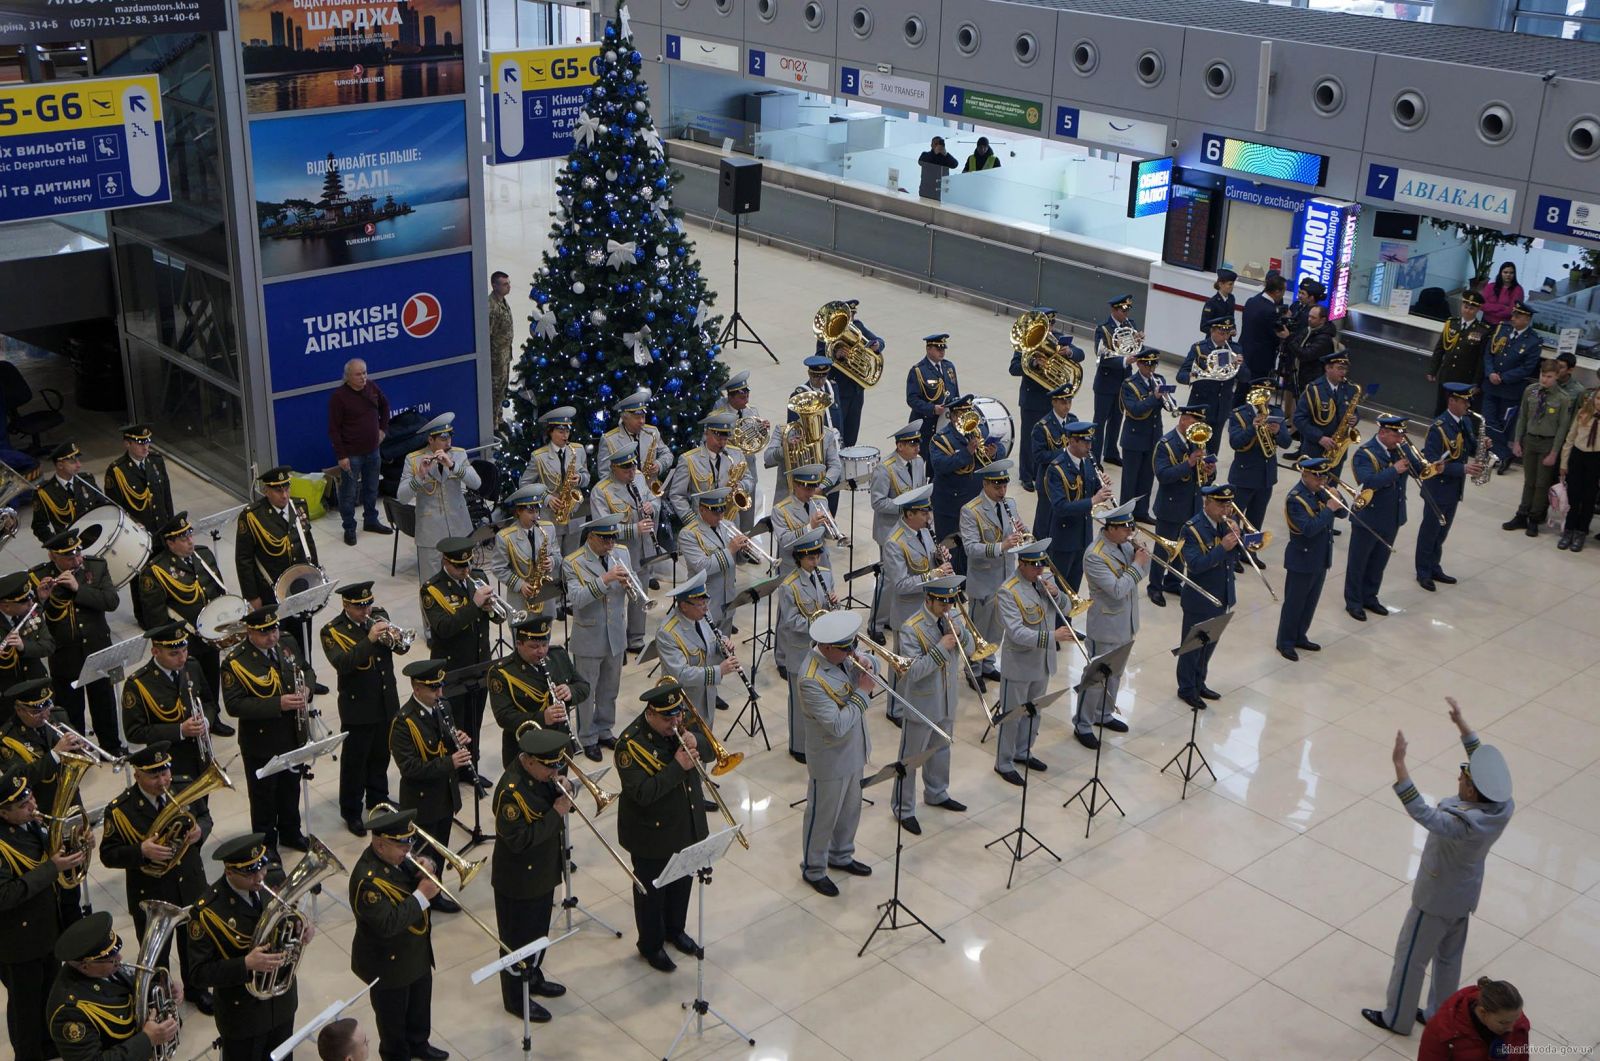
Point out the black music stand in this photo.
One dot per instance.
(1097, 675)
(1022, 831)
(894, 905)
(875, 569)
(760, 641)
(1206, 632)
(699, 859)
(469, 679)
(751, 595)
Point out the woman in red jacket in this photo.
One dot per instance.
(1477, 1023)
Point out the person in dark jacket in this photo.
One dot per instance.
(1220, 304)
(1458, 352)
(1310, 345)
(358, 419)
(1477, 1023)
(1261, 330)
(930, 162)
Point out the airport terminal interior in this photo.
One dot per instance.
(1249, 913)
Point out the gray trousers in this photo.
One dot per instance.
(1424, 938)
(604, 675)
(797, 718)
(985, 612)
(914, 737)
(1014, 739)
(833, 810)
(1098, 704)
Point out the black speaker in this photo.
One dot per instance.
(739, 190)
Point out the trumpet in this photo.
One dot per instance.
(829, 525)
(397, 638)
(86, 746)
(496, 605)
(635, 588)
(204, 740)
(705, 779)
(753, 547)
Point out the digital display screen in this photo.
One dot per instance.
(1189, 240)
(1264, 160)
(1149, 187)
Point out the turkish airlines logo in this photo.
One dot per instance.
(421, 315)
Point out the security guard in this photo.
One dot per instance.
(427, 751)
(128, 843)
(902, 470)
(1214, 396)
(712, 545)
(1510, 363)
(177, 584)
(638, 523)
(635, 436)
(1141, 427)
(660, 813)
(833, 698)
(1109, 373)
(167, 700)
(558, 460)
(1031, 635)
(357, 644)
(80, 597)
(28, 871)
(1208, 547)
(1452, 444)
(1114, 566)
(851, 395)
(393, 942)
(274, 534)
(1309, 510)
(1049, 439)
(91, 1004)
(990, 526)
(456, 617)
(259, 688)
(1255, 441)
(1458, 352)
(23, 650)
(690, 650)
(1461, 830)
(1034, 400)
(1380, 467)
(1322, 406)
(138, 481)
(434, 480)
(957, 459)
(224, 959)
(1073, 488)
(530, 807)
(61, 499)
(805, 593)
(934, 640)
(596, 577)
(527, 551)
(1181, 470)
(931, 385)
(536, 683)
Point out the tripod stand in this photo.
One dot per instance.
(752, 702)
(730, 330)
(1097, 679)
(1202, 635)
(1013, 838)
(894, 906)
(698, 859)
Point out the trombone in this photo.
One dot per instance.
(898, 664)
(705, 778)
(1422, 471)
(1266, 539)
(981, 650)
(1350, 508)
(1079, 605)
(1159, 545)
(465, 870)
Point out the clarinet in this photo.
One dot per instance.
(542, 668)
(738, 668)
(451, 738)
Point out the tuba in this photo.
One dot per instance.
(802, 440)
(69, 830)
(153, 997)
(172, 825)
(835, 325)
(282, 927)
(1043, 360)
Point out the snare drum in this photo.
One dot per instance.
(111, 534)
(859, 462)
(220, 622)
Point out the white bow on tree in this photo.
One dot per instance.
(639, 343)
(544, 322)
(702, 313)
(619, 254)
(653, 140)
(587, 129)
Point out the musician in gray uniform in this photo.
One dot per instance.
(710, 465)
(805, 593)
(990, 526)
(904, 469)
(618, 494)
(526, 551)
(798, 512)
(711, 546)
(736, 400)
(1461, 830)
(633, 434)
(909, 559)
(690, 649)
(1030, 638)
(1114, 567)
(832, 464)
(931, 685)
(555, 462)
(596, 577)
(833, 696)
(435, 480)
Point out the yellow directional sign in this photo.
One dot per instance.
(75, 106)
(538, 97)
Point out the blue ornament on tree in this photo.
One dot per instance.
(573, 165)
(650, 316)
(661, 182)
(674, 385)
(611, 31)
(605, 390)
(588, 204)
(614, 217)
(542, 361)
(634, 57)
(629, 118)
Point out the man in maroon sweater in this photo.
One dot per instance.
(358, 418)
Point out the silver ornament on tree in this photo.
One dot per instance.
(594, 256)
(577, 287)
(597, 316)
(589, 183)
(611, 174)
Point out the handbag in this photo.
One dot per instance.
(1558, 507)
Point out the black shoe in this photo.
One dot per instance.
(1565, 540)
(1517, 522)
(548, 989)
(1159, 600)
(1193, 700)
(1289, 654)
(783, 672)
(1114, 461)
(377, 528)
(1337, 533)
(686, 944)
(1088, 740)
(1011, 777)
(202, 1001)
(320, 689)
(880, 637)
(349, 537)
(1375, 1016)
(219, 728)
(1357, 614)
(1427, 584)
(854, 868)
(825, 886)
(429, 1052)
(799, 757)
(710, 806)
(1036, 765)
(1208, 693)
(660, 962)
(1376, 609)
(1533, 530)
(354, 828)
(592, 752)
(1420, 1018)
(1505, 466)
(896, 722)
(911, 825)
(1238, 567)
(1440, 576)
(973, 684)
(1577, 543)
(443, 905)
(537, 1014)
(635, 648)
(608, 742)
(1028, 487)
(1115, 725)
(722, 705)
(992, 674)
(1309, 646)
(296, 842)
(655, 583)
(950, 804)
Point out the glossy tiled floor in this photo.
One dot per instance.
(1252, 920)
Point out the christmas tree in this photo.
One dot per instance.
(619, 303)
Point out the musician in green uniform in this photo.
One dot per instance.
(167, 700)
(661, 812)
(530, 805)
(79, 596)
(28, 871)
(429, 750)
(176, 585)
(455, 615)
(224, 957)
(393, 941)
(61, 500)
(92, 1003)
(360, 645)
(139, 483)
(27, 742)
(538, 682)
(169, 873)
(265, 684)
(23, 646)
(274, 535)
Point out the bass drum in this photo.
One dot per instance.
(997, 423)
(111, 535)
(222, 621)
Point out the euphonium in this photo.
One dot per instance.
(282, 928)
(1043, 360)
(69, 830)
(835, 325)
(153, 997)
(802, 440)
(173, 823)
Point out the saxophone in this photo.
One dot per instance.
(174, 822)
(282, 928)
(567, 496)
(1484, 455)
(153, 997)
(1345, 434)
(69, 830)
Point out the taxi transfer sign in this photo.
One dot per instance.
(69, 147)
